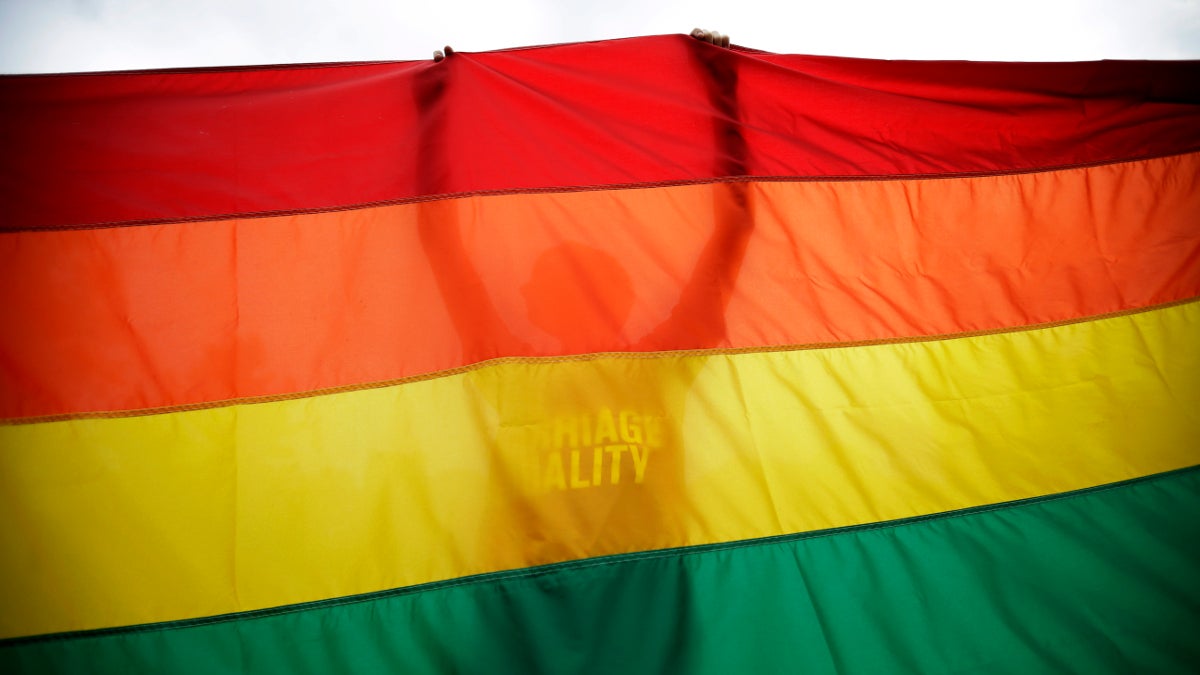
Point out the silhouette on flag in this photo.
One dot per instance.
(638, 355)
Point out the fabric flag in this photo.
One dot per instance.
(627, 356)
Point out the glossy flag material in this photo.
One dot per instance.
(636, 355)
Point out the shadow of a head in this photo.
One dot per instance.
(580, 295)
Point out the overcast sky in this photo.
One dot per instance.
(73, 35)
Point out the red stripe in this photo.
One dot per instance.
(131, 147)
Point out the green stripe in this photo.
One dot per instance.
(1105, 580)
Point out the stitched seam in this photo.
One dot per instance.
(950, 175)
(598, 562)
(569, 358)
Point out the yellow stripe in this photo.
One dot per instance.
(109, 522)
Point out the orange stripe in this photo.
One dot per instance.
(169, 315)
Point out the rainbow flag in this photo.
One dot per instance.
(628, 356)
